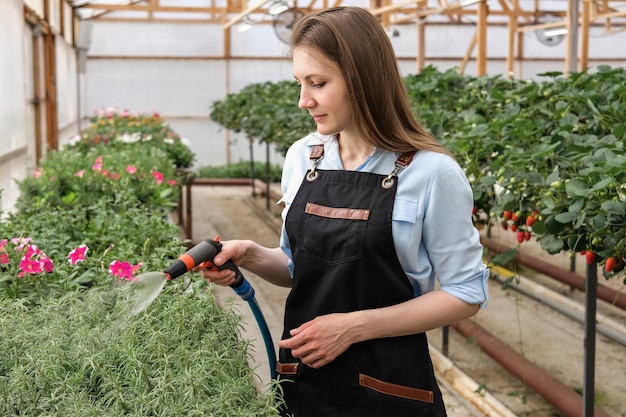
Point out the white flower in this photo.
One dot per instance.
(126, 138)
(73, 140)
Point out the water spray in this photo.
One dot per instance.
(202, 255)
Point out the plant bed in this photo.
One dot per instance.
(90, 219)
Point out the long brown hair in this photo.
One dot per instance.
(355, 40)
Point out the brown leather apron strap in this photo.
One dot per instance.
(287, 368)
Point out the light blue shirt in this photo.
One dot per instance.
(432, 216)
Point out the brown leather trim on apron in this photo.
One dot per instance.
(396, 390)
(287, 368)
(336, 213)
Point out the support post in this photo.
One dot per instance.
(591, 285)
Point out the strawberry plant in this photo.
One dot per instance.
(545, 158)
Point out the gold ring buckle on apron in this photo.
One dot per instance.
(402, 162)
(317, 154)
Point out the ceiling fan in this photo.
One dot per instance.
(283, 23)
(551, 36)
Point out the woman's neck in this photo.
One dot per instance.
(353, 151)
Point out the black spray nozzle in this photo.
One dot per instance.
(202, 255)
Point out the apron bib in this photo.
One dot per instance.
(339, 228)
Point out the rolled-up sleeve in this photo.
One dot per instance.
(447, 243)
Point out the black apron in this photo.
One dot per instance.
(339, 228)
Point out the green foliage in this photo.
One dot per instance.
(90, 219)
(552, 149)
(113, 129)
(266, 112)
(241, 170)
(69, 178)
(112, 231)
(83, 354)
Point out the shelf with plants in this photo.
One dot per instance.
(91, 218)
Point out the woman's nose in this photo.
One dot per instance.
(305, 101)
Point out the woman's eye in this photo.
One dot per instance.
(317, 85)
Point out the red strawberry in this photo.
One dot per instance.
(515, 216)
(527, 235)
(590, 257)
(505, 225)
(513, 227)
(520, 237)
(507, 214)
(609, 264)
(530, 220)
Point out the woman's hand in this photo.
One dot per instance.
(268, 263)
(231, 249)
(319, 341)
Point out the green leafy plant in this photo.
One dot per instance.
(88, 221)
(266, 112)
(85, 354)
(114, 128)
(67, 178)
(240, 170)
(550, 152)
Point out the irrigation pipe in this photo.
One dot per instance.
(570, 278)
(575, 311)
(555, 392)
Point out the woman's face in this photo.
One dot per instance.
(323, 91)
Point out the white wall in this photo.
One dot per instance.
(13, 129)
(17, 126)
(176, 70)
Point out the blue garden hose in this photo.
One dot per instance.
(246, 292)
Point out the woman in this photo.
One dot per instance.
(375, 209)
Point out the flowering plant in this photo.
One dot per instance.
(114, 128)
(68, 178)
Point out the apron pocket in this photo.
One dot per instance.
(342, 231)
(396, 390)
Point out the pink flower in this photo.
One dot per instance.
(30, 266)
(47, 264)
(78, 255)
(4, 256)
(19, 242)
(97, 164)
(137, 267)
(131, 169)
(37, 173)
(172, 182)
(31, 251)
(122, 270)
(80, 173)
(158, 177)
